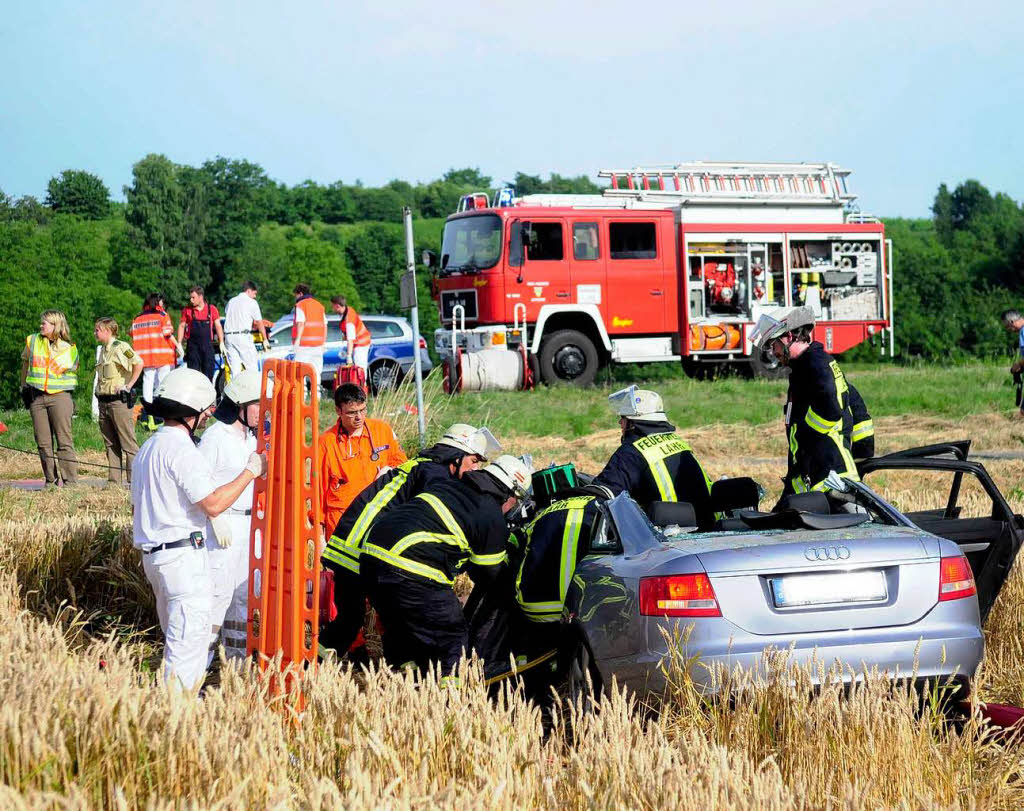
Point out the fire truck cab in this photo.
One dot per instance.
(673, 263)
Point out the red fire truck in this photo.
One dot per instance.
(670, 263)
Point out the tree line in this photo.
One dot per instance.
(226, 221)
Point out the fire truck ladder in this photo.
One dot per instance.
(710, 182)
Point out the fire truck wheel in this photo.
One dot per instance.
(568, 356)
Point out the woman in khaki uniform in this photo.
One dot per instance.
(119, 368)
(49, 368)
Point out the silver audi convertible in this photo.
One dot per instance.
(849, 579)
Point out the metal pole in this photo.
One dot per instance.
(892, 309)
(414, 316)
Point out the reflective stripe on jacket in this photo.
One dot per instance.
(551, 550)
(858, 428)
(314, 329)
(816, 410)
(653, 464)
(346, 541)
(151, 338)
(440, 532)
(52, 367)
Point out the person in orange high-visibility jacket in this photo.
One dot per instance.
(309, 329)
(357, 336)
(354, 452)
(153, 340)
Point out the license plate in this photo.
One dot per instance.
(795, 590)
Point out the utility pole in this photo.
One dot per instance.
(410, 299)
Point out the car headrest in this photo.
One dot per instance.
(672, 513)
(807, 503)
(735, 494)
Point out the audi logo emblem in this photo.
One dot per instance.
(823, 553)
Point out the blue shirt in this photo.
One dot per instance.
(1020, 341)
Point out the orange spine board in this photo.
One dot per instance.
(284, 559)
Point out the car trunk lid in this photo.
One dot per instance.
(812, 581)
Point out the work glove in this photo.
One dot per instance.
(223, 351)
(382, 471)
(222, 530)
(181, 351)
(257, 464)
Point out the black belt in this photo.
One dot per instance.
(233, 511)
(195, 540)
(109, 398)
(239, 332)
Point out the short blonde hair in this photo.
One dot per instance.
(108, 324)
(60, 324)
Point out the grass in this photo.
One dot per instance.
(85, 723)
(954, 392)
(964, 394)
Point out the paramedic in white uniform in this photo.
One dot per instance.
(240, 316)
(227, 445)
(173, 492)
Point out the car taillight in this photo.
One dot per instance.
(956, 580)
(423, 343)
(678, 595)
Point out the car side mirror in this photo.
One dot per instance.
(428, 259)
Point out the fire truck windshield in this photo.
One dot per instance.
(471, 244)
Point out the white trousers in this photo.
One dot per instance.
(229, 575)
(181, 583)
(313, 355)
(241, 353)
(361, 356)
(152, 377)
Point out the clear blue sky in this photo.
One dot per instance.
(907, 95)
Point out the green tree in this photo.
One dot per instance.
(166, 221)
(469, 176)
(376, 257)
(942, 214)
(237, 196)
(378, 205)
(64, 266)
(28, 209)
(77, 192)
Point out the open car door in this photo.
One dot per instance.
(944, 493)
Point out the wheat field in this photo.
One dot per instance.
(85, 722)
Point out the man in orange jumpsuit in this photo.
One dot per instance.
(354, 452)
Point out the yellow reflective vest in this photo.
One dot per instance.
(52, 367)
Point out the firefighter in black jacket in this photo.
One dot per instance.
(652, 463)
(858, 429)
(461, 449)
(548, 549)
(817, 404)
(412, 554)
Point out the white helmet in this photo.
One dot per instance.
(639, 405)
(513, 473)
(187, 391)
(243, 388)
(769, 328)
(466, 438)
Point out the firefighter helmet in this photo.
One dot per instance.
(639, 405)
(512, 473)
(769, 328)
(466, 438)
